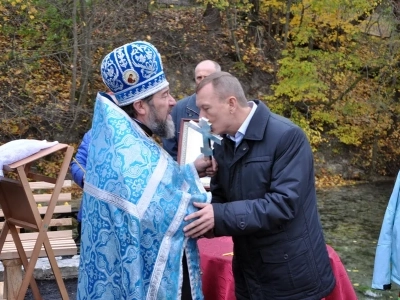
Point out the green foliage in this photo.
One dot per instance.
(348, 134)
(240, 68)
(299, 79)
(38, 23)
(241, 5)
(57, 20)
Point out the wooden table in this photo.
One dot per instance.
(20, 211)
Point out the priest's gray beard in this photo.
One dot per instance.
(162, 128)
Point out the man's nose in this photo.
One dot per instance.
(172, 101)
(201, 114)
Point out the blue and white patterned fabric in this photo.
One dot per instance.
(135, 199)
(133, 72)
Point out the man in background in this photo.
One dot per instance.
(186, 108)
(78, 169)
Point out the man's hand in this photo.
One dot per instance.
(204, 222)
(205, 166)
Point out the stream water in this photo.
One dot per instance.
(352, 217)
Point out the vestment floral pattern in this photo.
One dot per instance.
(135, 199)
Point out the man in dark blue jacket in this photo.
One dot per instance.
(78, 167)
(263, 195)
(186, 108)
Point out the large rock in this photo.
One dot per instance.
(69, 267)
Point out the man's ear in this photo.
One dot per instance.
(232, 102)
(139, 107)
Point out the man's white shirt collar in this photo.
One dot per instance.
(242, 129)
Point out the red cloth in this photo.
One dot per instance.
(218, 283)
(343, 289)
(217, 278)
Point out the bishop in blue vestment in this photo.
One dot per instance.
(135, 195)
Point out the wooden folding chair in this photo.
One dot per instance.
(20, 209)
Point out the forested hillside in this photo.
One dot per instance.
(332, 66)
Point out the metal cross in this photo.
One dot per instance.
(204, 127)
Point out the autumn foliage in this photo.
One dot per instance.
(330, 66)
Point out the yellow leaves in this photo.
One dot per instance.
(14, 126)
(274, 4)
(339, 77)
(325, 179)
(64, 95)
(18, 7)
(13, 129)
(349, 134)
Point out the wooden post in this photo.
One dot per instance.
(12, 278)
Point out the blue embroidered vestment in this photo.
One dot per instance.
(135, 199)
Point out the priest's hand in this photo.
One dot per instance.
(211, 171)
(203, 223)
(206, 166)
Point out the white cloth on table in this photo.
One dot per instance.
(19, 149)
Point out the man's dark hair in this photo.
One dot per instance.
(131, 111)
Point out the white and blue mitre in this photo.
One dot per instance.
(135, 199)
(133, 72)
